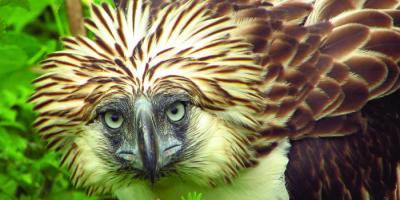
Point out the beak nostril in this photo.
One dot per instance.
(126, 155)
(171, 149)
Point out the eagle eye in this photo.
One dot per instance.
(176, 111)
(113, 119)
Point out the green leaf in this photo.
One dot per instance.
(15, 144)
(13, 71)
(51, 46)
(2, 27)
(13, 124)
(18, 77)
(29, 44)
(81, 195)
(26, 178)
(19, 17)
(9, 98)
(8, 186)
(25, 197)
(192, 196)
(15, 3)
(68, 195)
(7, 114)
(103, 1)
(12, 58)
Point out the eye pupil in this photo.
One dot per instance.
(174, 110)
(114, 118)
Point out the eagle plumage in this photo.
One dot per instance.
(253, 78)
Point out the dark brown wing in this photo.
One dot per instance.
(327, 9)
(358, 166)
(362, 165)
(321, 74)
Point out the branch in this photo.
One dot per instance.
(75, 17)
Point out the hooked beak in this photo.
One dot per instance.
(147, 141)
(151, 150)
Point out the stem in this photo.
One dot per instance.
(60, 28)
(75, 17)
(37, 56)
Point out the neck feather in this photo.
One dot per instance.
(265, 181)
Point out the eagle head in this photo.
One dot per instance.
(151, 96)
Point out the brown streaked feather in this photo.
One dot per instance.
(327, 9)
(371, 18)
(381, 4)
(292, 11)
(344, 40)
(386, 42)
(354, 52)
(392, 79)
(371, 69)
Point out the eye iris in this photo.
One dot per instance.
(176, 112)
(113, 119)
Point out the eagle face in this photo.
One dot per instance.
(136, 137)
(146, 136)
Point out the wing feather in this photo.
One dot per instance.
(331, 67)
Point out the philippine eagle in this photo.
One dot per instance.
(234, 99)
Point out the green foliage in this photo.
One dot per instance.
(29, 29)
(15, 3)
(102, 1)
(192, 196)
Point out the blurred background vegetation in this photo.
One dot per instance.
(29, 29)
